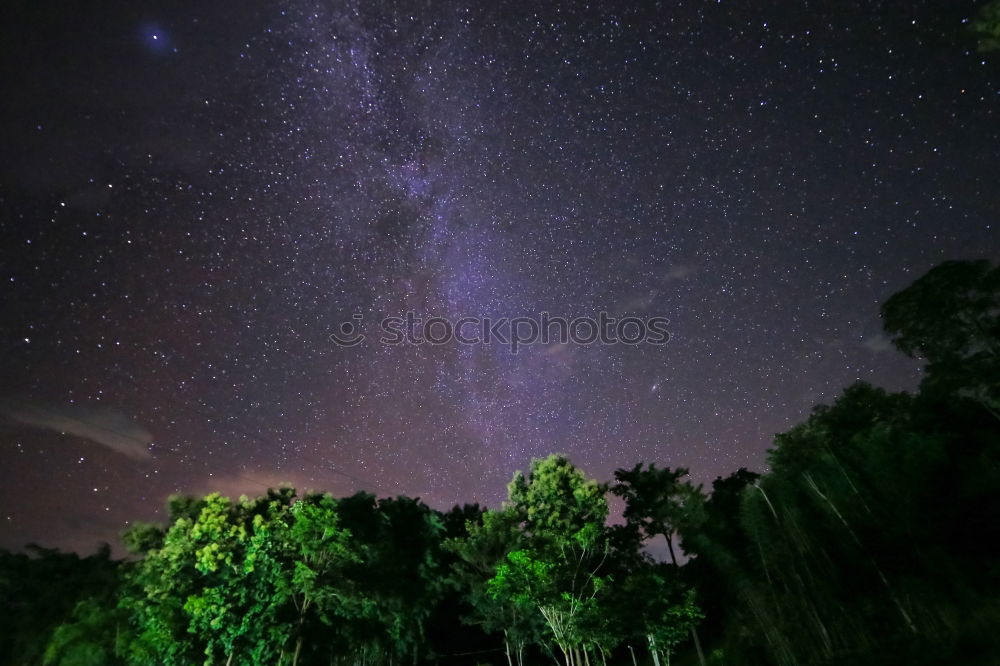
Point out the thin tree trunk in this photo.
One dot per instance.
(652, 650)
(697, 647)
(298, 649)
(670, 547)
(694, 632)
(632, 651)
(506, 646)
(586, 656)
(230, 660)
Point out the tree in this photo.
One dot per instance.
(219, 598)
(849, 543)
(92, 637)
(485, 546)
(408, 566)
(719, 549)
(951, 318)
(986, 26)
(558, 569)
(41, 590)
(154, 593)
(399, 578)
(655, 607)
(656, 500)
(249, 581)
(319, 552)
(658, 503)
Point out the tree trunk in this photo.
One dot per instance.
(632, 651)
(694, 632)
(697, 647)
(652, 650)
(298, 649)
(670, 547)
(230, 659)
(506, 647)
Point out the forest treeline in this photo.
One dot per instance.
(871, 539)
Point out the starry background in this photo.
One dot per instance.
(195, 195)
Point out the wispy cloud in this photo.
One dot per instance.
(252, 483)
(647, 298)
(877, 342)
(101, 425)
(680, 271)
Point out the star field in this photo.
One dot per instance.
(195, 196)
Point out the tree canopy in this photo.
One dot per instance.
(868, 540)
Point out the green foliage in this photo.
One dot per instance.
(869, 541)
(951, 318)
(41, 589)
(155, 595)
(279, 578)
(657, 501)
(481, 552)
(865, 541)
(559, 568)
(141, 538)
(556, 500)
(986, 26)
(90, 638)
(655, 606)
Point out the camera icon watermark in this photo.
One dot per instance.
(350, 334)
(512, 332)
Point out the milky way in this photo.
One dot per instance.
(195, 197)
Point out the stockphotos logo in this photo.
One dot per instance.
(512, 332)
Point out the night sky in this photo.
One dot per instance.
(195, 196)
